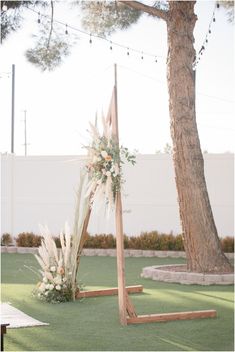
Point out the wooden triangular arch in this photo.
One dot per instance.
(127, 313)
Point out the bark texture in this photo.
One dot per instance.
(202, 246)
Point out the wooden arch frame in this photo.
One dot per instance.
(127, 313)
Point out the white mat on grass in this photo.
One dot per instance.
(16, 318)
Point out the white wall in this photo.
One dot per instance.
(41, 189)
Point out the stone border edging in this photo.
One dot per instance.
(182, 277)
(90, 252)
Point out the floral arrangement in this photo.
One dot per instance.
(59, 266)
(105, 159)
(55, 285)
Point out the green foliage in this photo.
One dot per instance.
(54, 296)
(152, 240)
(11, 18)
(48, 51)
(105, 17)
(100, 241)
(146, 241)
(28, 239)
(6, 239)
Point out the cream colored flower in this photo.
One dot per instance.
(53, 268)
(104, 154)
(45, 280)
(58, 287)
(51, 287)
(95, 159)
(57, 280)
(108, 173)
(42, 287)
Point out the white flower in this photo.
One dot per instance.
(58, 287)
(51, 287)
(95, 159)
(53, 268)
(44, 280)
(108, 173)
(64, 279)
(104, 154)
(57, 280)
(39, 294)
(42, 287)
(46, 293)
(64, 286)
(48, 287)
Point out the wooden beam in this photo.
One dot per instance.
(130, 309)
(152, 318)
(120, 262)
(108, 292)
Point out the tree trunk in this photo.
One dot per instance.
(202, 245)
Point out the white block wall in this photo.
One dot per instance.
(41, 189)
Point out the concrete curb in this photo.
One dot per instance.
(90, 252)
(158, 274)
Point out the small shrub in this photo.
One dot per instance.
(6, 239)
(227, 244)
(57, 242)
(28, 239)
(100, 241)
(179, 243)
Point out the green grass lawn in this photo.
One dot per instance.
(93, 324)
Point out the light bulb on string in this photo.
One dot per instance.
(142, 56)
(128, 53)
(111, 46)
(66, 29)
(39, 19)
(90, 41)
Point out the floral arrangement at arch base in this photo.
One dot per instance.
(104, 166)
(59, 267)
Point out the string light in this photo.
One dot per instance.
(66, 30)
(112, 44)
(203, 47)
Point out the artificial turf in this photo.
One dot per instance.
(92, 324)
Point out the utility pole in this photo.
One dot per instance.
(12, 108)
(25, 133)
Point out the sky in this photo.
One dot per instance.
(60, 104)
